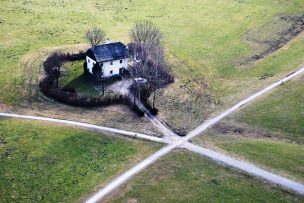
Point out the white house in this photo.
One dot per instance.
(107, 60)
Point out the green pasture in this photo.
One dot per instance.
(42, 162)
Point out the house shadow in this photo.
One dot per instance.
(83, 86)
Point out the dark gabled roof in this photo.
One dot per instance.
(111, 51)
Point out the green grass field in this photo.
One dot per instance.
(282, 111)
(185, 177)
(204, 42)
(41, 162)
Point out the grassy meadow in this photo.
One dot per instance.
(42, 162)
(199, 180)
(205, 42)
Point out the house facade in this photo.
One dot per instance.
(107, 60)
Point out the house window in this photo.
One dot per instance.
(111, 72)
(111, 63)
(120, 61)
(88, 60)
(101, 64)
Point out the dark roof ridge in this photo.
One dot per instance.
(110, 51)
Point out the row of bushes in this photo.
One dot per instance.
(56, 60)
(69, 96)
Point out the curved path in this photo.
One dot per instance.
(247, 167)
(87, 126)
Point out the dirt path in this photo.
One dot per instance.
(246, 167)
(86, 125)
(123, 87)
(168, 134)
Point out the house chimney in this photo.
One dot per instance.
(108, 41)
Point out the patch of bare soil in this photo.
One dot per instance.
(122, 87)
(3, 107)
(295, 25)
(243, 130)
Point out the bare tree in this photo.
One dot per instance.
(148, 56)
(146, 40)
(95, 36)
(100, 83)
(146, 33)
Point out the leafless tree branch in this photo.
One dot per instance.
(95, 36)
(147, 53)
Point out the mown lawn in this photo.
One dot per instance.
(73, 77)
(282, 111)
(185, 177)
(42, 162)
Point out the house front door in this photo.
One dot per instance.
(120, 71)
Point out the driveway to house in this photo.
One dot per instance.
(122, 86)
(183, 142)
(169, 135)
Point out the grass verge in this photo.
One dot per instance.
(268, 132)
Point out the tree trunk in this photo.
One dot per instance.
(57, 81)
(153, 105)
